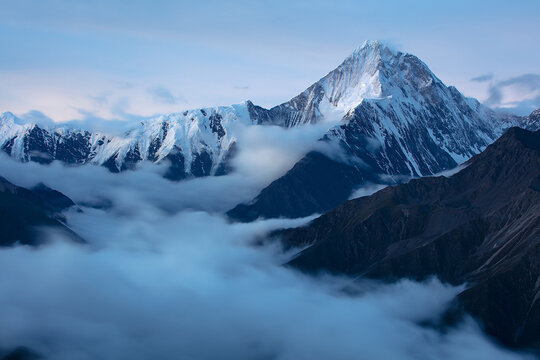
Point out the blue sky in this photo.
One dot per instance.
(125, 59)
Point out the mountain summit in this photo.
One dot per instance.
(372, 71)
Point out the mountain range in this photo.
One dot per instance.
(396, 118)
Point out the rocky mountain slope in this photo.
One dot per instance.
(480, 226)
(23, 212)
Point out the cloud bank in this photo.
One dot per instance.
(165, 275)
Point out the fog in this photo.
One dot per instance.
(166, 276)
(366, 190)
(267, 152)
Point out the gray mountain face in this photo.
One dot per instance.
(397, 118)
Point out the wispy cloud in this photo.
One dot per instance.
(36, 117)
(163, 95)
(482, 78)
(519, 94)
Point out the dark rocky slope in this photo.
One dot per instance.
(23, 212)
(480, 226)
(315, 184)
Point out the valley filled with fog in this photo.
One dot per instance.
(164, 274)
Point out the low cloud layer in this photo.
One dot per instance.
(135, 189)
(267, 152)
(366, 190)
(166, 276)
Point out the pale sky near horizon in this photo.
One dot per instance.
(130, 59)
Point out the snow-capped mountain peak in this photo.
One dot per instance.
(358, 77)
(373, 71)
(7, 119)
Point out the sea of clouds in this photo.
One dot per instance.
(165, 275)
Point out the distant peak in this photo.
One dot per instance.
(374, 46)
(7, 117)
(372, 51)
(7, 114)
(533, 120)
(371, 44)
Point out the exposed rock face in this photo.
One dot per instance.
(480, 226)
(23, 212)
(533, 120)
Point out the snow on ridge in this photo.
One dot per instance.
(373, 71)
(191, 131)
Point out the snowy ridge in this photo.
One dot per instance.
(199, 138)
